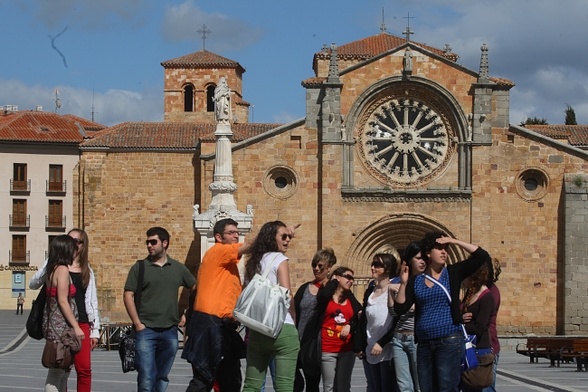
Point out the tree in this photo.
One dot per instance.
(570, 116)
(534, 121)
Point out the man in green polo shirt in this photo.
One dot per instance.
(156, 320)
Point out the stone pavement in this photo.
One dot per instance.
(21, 370)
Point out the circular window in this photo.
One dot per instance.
(280, 182)
(406, 141)
(532, 184)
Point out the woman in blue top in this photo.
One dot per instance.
(437, 318)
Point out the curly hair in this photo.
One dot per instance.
(429, 242)
(477, 280)
(264, 242)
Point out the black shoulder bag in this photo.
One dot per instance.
(126, 347)
(35, 320)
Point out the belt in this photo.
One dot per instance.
(406, 332)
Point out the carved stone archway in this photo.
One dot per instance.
(396, 230)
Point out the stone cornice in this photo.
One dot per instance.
(404, 196)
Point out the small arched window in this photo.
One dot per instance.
(188, 98)
(210, 98)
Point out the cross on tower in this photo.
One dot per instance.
(203, 31)
(408, 32)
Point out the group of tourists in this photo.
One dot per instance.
(406, 331)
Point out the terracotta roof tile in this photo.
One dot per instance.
(576, 135)
(376, 44)
(167, 135)
(202, 59)
(45, 127)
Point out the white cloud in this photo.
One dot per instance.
(110, 108)
(182, 22)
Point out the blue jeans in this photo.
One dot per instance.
(439, 363)
(404, 350)
(155, 352)
(492, 388)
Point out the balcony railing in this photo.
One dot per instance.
(55, 188)
(19, 222)
(20, 187)
(19, 258)
(54, 225)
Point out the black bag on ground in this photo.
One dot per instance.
(126, 347)
(126, 351)
(34, 324)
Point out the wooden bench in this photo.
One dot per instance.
(578, 352)
(544, 347)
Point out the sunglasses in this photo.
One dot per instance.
(348, 277)
(288, 236)
(377, 264)
(78, 241)
(319, 266)
(151, 242)
(440, 246)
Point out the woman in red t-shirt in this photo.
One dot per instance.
(337, 311)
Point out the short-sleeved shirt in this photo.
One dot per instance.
(336, 317)
(219, 284)
(159, 299)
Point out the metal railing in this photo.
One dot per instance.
(19, 221)
(19, 257)
(56, 187)
(20, 186)
(53, 224)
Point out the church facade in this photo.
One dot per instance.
(398, 139)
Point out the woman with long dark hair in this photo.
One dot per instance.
(60, 309)
(404, 347)
(437, 319)
(86, 300)
(268, 251)
(337, 320)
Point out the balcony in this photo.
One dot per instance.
(54, 225)
(19, 259)
(20, 188)
(19, 222)
(55, 188)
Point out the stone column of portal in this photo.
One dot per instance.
(223, 188)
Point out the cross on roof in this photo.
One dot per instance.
(408, 32)
(204, 31)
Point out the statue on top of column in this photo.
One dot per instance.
(222, 102)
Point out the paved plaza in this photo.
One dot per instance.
(21, 370)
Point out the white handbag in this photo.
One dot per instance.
(263, 305)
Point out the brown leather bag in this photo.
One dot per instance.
(60, 354)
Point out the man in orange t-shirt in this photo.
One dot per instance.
(213, 345)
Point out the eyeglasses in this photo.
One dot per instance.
(151, 242)
(288, 236)
(232, 232)
(377, 264)
(348, 277)
(78, 241)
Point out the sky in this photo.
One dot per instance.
(103, 58)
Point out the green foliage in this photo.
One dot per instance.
(534, 121)
(570, 116)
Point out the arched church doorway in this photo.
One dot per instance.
(394, 231)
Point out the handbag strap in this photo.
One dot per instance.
(430, 278)
(269, 266)
(139, 292)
